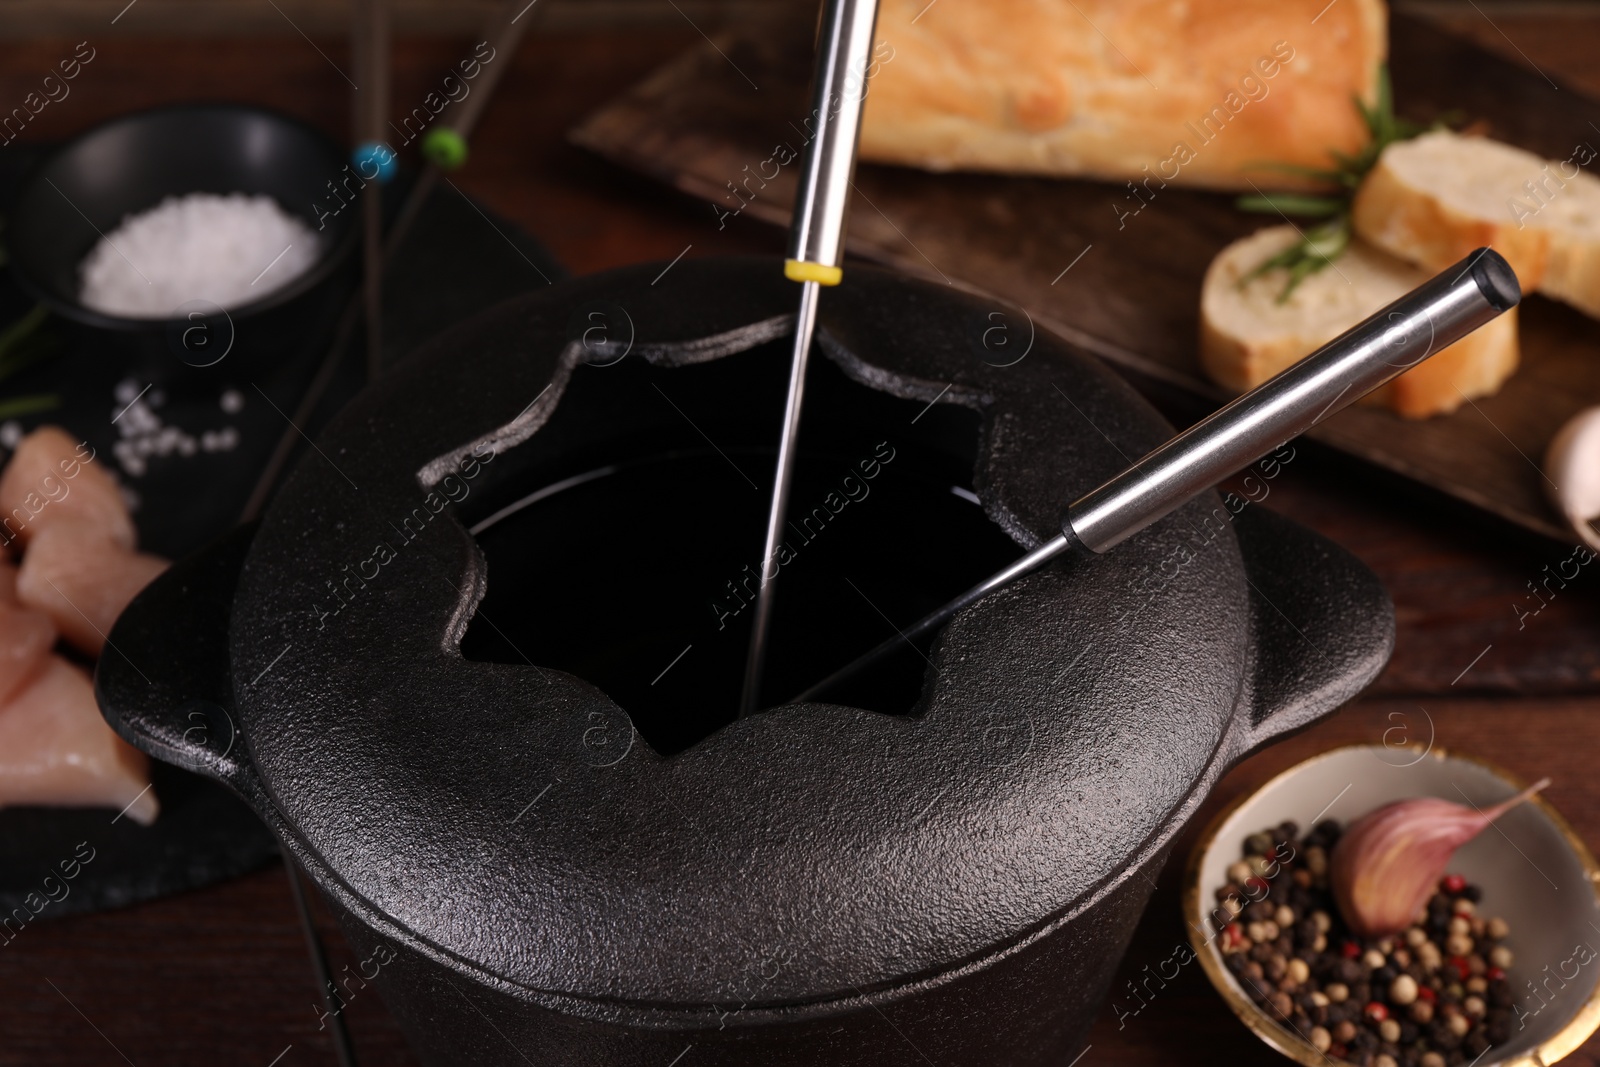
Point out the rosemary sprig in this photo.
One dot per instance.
(1319, 245)
(1293, 204)
(22, 344)
(28, 405)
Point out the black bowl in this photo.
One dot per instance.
(85, 188)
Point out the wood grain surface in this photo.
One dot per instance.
(221, 975)
(1117, 269)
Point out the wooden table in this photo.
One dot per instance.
(222, 975)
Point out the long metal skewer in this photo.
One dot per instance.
(1428, 319)
(816, 246)
(371, 42)
(505, 34)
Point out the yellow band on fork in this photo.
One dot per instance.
(800, 271)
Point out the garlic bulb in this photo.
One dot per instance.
(1572, 469)
(1389, 861)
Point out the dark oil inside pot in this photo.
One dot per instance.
(637, 568)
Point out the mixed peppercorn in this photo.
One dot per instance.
(1435, 995)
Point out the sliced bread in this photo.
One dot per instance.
(1247, 336)
(1572, 217)
(1438, 197)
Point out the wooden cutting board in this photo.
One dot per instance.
(718, 122)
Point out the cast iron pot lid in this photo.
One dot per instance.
(876, 849)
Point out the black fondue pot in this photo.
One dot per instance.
(555, 846)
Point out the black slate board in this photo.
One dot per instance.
(457, 259)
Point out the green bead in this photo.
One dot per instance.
(445, 147)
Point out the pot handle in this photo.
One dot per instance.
(1322, 623)
(163, 682)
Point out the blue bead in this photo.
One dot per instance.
(375, 160)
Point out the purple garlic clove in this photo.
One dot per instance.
(1388, 862)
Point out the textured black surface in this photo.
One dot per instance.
(455, 261)
(785, 887)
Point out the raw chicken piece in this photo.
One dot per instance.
(26, 636)
(8, 581)
(82, 579)
(79, 571)
(53, 477)
(55, 749)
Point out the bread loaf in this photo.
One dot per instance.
(1247, 336)
(1191, 92)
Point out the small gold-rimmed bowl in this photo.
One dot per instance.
(1535, 873)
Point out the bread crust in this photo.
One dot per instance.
(1112, 88)
(1473, 367)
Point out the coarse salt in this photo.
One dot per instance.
(227, 250)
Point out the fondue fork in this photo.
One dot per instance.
(816, 246)
(370, 40)
(504, 39)
(1423, 322)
